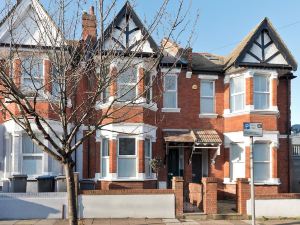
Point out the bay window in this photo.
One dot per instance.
(105, 157)
(207, 97)
(127, 158)
(237, 161)
(32, 74)
(170, 91)
(261, 162)
(127, 84)
(237, 93)
(261, 92)
(32, 163)
(148, 153)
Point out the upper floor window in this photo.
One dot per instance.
(103, 73)
(237, 93)
(207, 97)
(170, 91)
(148, 86)
(261, 92)
(261, 162)
(32, 74)
(127, 84)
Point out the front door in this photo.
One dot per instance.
(173, 165)
(196, 168)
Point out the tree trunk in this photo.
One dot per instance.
(72, 195)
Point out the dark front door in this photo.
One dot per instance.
(196, 168)
(173, 165)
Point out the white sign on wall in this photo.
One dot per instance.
(253, 129)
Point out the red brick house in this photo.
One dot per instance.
(196, 126)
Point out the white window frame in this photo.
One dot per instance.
(104, 157)
(32, 79)
(266, 162)
(231, 162)
(128, 157)
(31, 155)
(262, 92)
(238, 93)
(133, 84)
(149, 87)
(149, 158)
(213, 97)
(173, 109)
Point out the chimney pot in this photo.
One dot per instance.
(92, 10)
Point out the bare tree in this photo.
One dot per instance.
(81, 87)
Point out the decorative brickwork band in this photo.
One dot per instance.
(141, 156)
(242, 195)
(112, 156)
(210, 191)
(249, 91)
(177, 186)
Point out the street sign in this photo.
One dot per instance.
(253, 129)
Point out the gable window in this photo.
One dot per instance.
(32, 74)
(237, 93)
(148, 154)
(261, 92)
(127, 158)
(105, 157)
(207, 97)
(237, 161)
(261, 162)
(127, 84)
(170, 91)
(32, 163)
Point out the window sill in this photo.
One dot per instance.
(171, 109)
(124, 179)
(228, 113)
(273, 181)
(208, 115)
(137, 103)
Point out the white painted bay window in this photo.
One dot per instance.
(262, 162)
(261, 92)
(207, 97)
(170, 91)
(105, 157)
(237, 161)
(148, 155)
(32, 74)
(127, 84)
(237, 94)
(127, 167)
(32, 157)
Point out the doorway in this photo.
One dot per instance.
(197, 168)
(175, 164)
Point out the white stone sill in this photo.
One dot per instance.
(210, 116)
(171, 110)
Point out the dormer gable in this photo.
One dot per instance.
(127, 33)
(262, 47)
(30, 24)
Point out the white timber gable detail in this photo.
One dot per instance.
(127, 33)
(29, 24)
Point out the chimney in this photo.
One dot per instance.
(189, 57)
(89, 25)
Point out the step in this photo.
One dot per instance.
(202, 216)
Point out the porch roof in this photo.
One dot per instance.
(197, 136)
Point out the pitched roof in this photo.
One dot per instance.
(241, 48)
(128, 10)
(207, 62)
(11, 11)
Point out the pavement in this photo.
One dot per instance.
(149, 222)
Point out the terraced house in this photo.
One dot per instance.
(189, 112)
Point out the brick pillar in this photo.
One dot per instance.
(48, 79)
(113, 87)
(98, 156)
(274, 163)
(274, 92)
(226, 168)
(17, 72)
(141, 156)
(210, 190)
(249, 91)
(177, 186)
(227, 96)
(141, 80)
(247, 162)
(242, 195)
(112, 155)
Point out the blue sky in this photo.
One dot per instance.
(224, 23)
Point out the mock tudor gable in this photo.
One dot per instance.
(30, 24)
(127, 33)
(262, 47)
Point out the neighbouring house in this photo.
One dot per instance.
(195, 127)
(295, 145)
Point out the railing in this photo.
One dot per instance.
(296, 150)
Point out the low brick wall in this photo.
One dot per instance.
(110, 185)
(128, 192)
